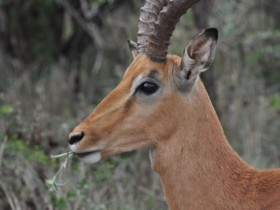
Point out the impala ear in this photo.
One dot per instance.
(133, 47)
(198, 56)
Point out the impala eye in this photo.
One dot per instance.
(148, 88)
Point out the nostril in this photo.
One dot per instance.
(75, 137)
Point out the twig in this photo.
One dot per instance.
(150, 193)
(98, 63)
(12, 199)
(2, 147)
(87, 12)
(59, 155)
(53, 183)
(91, 29)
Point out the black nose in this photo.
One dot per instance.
(75, 137)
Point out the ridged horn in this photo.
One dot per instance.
(158, 19)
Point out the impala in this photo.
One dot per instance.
(162, 104)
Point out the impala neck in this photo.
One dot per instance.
(197, 166)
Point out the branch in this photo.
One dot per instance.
(91, 29)
(2, 148)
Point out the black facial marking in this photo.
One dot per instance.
(153, 74)
(188, 75)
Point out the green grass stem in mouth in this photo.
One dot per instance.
(53, 183)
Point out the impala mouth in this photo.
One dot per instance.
(90, 157)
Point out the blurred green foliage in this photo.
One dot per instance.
(18, 147)
(31, 23)
(5, 109)
(104, 172)
(275, 102)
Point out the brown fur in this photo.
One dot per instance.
(198, 168)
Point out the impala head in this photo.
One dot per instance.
(144, 109)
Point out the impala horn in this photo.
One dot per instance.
(157, 22)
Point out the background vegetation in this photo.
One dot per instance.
(58, 58)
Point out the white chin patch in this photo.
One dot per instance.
(92, 157)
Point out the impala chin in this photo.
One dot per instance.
(90, 157)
